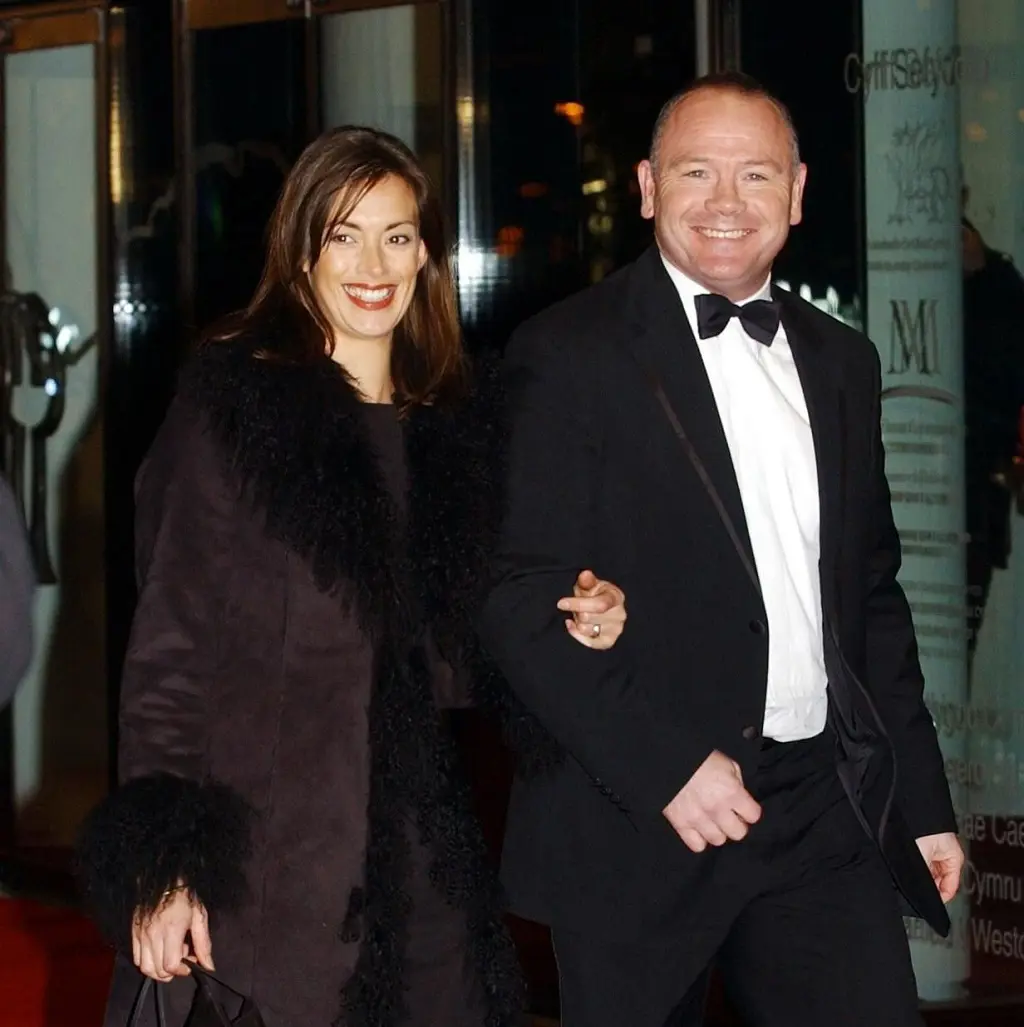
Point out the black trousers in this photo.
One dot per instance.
(801, 918)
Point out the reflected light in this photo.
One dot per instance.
(572, 111)
(510, 239)
(976, 132)
(600, 224)
(598, 185)
(128, 311)
(66, 336)
(471, 262)
(465, 110)
(116, 141)
(831, 304)
(533, 190)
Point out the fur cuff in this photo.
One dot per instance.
(155, 833)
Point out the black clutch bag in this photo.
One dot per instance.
(206, 1011)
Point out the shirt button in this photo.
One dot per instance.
(758, 627)
(750, 733)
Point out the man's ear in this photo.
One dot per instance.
(645, 176)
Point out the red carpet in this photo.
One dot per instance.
(54, 969)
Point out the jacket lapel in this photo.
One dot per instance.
(662, 343)
(825, 401)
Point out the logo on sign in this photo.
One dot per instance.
(922, 185)
(914, 349)
(914, 337)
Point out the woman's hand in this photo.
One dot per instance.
(158, 939)
(598, 611)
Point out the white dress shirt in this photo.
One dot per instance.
(761, 403)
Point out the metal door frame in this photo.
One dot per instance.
(717, 25)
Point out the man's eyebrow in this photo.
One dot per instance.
(763, 162)
(686, 158)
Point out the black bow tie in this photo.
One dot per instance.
(760, 318)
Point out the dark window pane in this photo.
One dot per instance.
(250, 119)
(797, 51)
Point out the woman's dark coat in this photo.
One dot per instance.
(279, 723)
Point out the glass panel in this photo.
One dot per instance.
(556, 115)
(938, 87)
(250, 119)
(633, 57)
(820, 260)
(945, 161)
(991, 108)
(519, 238)
(912, 167)
(53, 435)
(383, 68)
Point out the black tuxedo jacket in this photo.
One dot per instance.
(619, 463)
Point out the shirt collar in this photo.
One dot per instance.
(688, 289)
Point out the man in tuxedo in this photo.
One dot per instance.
(746, 773)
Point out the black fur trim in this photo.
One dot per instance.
(155, 833)
(296, 443)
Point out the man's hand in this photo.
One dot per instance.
(595, 604)
(713, 806)
(945, 859)
(158, 940)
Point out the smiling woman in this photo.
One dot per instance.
(365, 276)
(314, 524)
(358, 257)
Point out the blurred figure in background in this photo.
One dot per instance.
(993, 397)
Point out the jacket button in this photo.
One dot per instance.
(758, 627)
(750, 733)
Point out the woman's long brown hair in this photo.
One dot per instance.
(330, 177)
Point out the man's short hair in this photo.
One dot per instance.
(726, 82)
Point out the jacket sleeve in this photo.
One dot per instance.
(893, 670)
(17, 587)
(168, 824)
(594, 703)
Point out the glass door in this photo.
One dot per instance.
(243, 100)
(385, 66)
(53, 272)
(258, 79)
